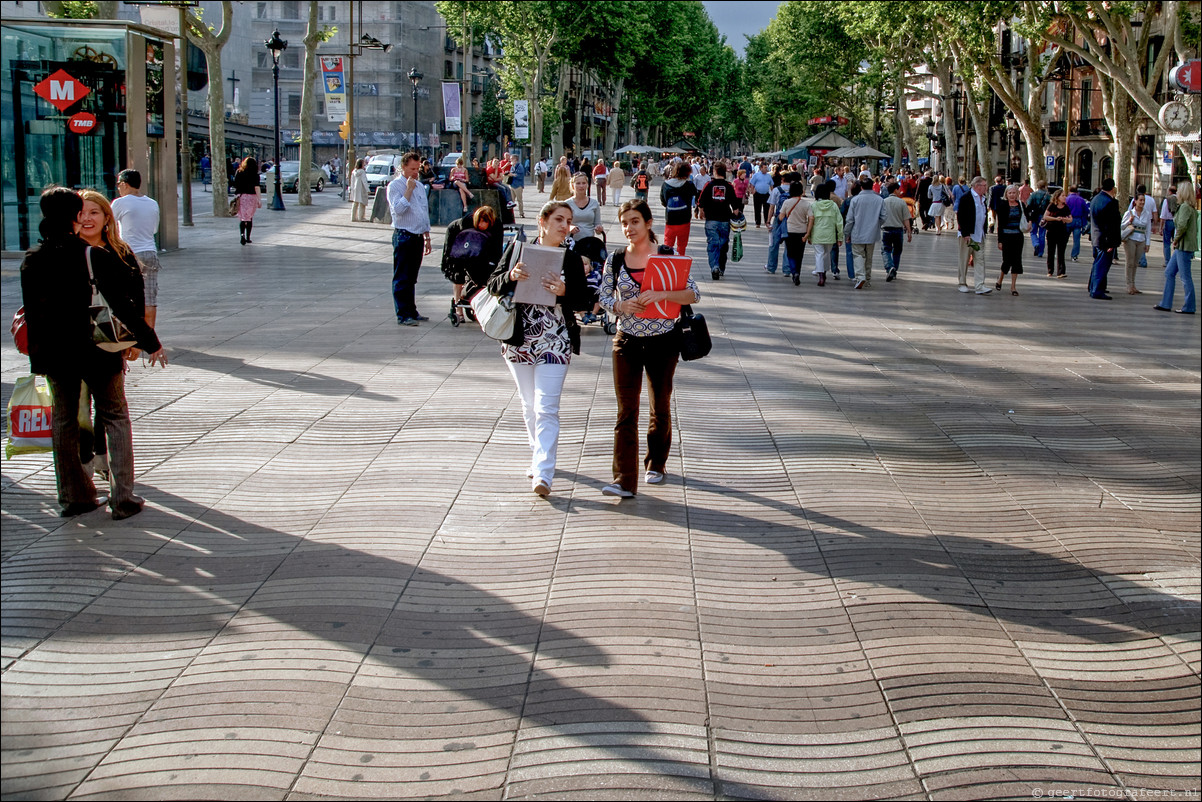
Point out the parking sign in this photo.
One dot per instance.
(1051, 161)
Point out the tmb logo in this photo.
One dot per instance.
(62, 90)
(82, 123)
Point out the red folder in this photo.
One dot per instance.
(669, 273)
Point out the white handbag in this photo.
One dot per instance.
(497, 316)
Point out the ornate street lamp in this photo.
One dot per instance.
(416, 78)
(277, 46)
(502, 96)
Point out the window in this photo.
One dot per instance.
(321, 106)
(1086, 99)
(290, 58)
(264, 58)
(289, 9)
(294, 105)
(261, 11)
(448, 70)
(1145, 160)
(326, 13)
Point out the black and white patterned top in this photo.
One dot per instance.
(628, 288)
(545, 339)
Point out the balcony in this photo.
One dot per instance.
(1096, 126)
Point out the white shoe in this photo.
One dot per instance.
(985, 291)
(541, 487)
(964, 288)
(654, 477)
(616, 490)
(859, 284)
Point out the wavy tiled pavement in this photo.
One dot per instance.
(913, 545)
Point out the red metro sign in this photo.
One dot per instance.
(62, 90)
(82, 123)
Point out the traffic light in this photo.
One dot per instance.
(344, 130)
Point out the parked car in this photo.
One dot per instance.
(290, 176)
(380, 170)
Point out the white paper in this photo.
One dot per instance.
(539, 261)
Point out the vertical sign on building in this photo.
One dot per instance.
(450, 106)
(335, 88)
(155, 121)
(521, 119)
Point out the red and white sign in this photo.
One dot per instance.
(1187, 77)
(82, 123)
(669, 273)
(62, 90)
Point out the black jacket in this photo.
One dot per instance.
(576, 298)
(479, 273)
(966, 214)
(58, 296)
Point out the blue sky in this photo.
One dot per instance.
(740, 18)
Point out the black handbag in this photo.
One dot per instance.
(694, 335)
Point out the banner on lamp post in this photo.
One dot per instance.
(521, 119)
(335, 88)
(451, 111)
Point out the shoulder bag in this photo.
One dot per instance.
(693, 335)
(108, 333)
(497, 316)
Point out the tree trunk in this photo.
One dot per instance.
(557, 137)
(980, 127)
(578, 120)
(615, 103)
(211, 44)
(308, 107)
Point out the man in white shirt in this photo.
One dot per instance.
(137, 219)
(408, 203)
(971, 214)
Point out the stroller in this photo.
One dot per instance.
(511, 233)
(593, 248)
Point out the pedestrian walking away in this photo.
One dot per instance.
(1080, 209)
(824, 230)
(898, 224)
(408, 204)
(677, 195)
(1187, 234)
(542, 345)
(641, 345)
(865, 214)
(1168, 210)
(248, 197)
(1106, 237)
(795, 214)
(615, 182)
(761, 187)
(600, 174)
(1036, 204)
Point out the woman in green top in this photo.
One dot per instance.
(1185, 241)
(825, 230)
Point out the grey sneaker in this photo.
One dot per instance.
(654, 478)
(616, 489)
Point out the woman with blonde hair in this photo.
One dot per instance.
(1185, 242)
(561, 186)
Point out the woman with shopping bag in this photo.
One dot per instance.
(59, 278)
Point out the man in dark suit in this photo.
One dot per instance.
(1106, 235)
(970, 218)
(997, 199)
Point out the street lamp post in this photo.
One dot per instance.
(1011, 124)
(933, 139)
(416, 78)
(502, 96)
(277, 46)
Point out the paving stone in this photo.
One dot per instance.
(912, 545)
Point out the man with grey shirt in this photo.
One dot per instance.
(865, 214)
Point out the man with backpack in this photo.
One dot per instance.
(777, 228)
(717, 204)
(1036, 205)
(641, 181)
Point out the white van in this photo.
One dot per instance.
(380, 170)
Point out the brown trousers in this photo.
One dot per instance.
(632, 357)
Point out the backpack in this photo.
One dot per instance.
(640, 182)
(1037, 204)
(467, 249)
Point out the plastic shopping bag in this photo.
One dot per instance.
(28, 418)
(737, 255)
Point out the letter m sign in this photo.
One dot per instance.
(61, 90)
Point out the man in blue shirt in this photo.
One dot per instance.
(517, 181)
(761, 185)
(410, 236)
(1079, 209)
